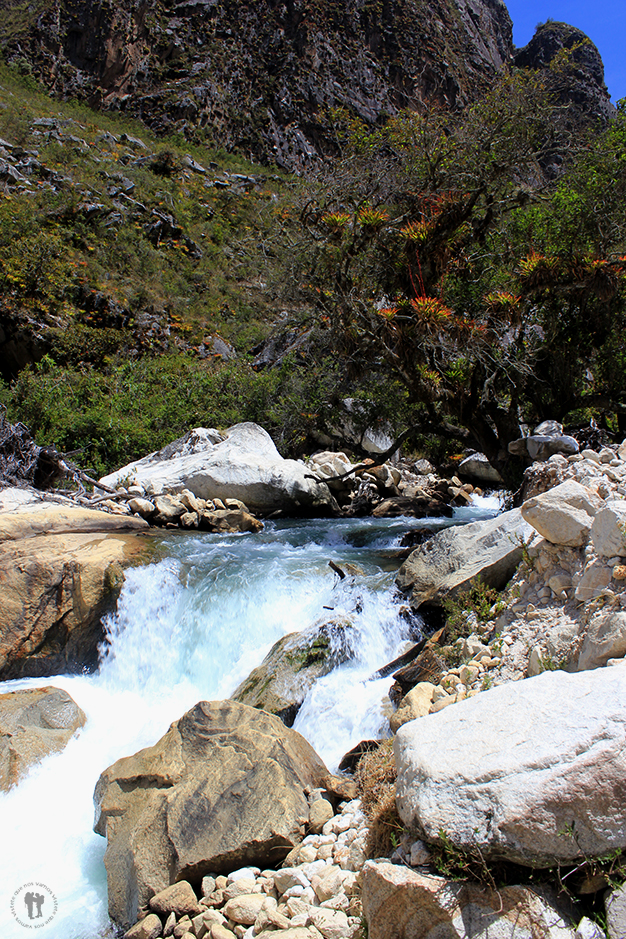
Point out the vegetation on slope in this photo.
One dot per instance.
(445, 257)
(458, 277)
(133, 282)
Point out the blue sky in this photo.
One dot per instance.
(604, 21)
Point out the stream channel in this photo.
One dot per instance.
(191, 627)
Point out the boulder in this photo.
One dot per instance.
(426, 506)
(244, 465)
(447, 563)
(415, 704)
(476, 466)
(224, 788)
(293, 665)
(546, 440)
(604, 639)
(400, 902)
(61, 571)
(34, 723)
(563, 515)
(531, 771)
(608, 532)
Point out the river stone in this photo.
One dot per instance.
(244, 909)
(333, 924)
(169, 508)
(321, 811)
(293, 932)
(293, 665)
(178, 898)
(148, 928)
(615, 904)
(446, 563)
(400, 902)
(61, 571)
(224, 788)
(429, 666)
(244, 465)
(524, 766)
(564, 514)
(34, 723)
(419, 506)
(415, 704)
(229, 520)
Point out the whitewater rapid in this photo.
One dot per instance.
(191, 627)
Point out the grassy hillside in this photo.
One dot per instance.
(135, 279)
(157, 226)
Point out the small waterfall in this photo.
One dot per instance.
(188, 628)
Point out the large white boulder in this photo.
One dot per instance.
(453, 557)
(563, 515)
(398, 901)
(244, 465)
(532, 771)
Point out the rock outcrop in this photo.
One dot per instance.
(223, 788)
(580, 79)
(532, 771)
(34, 723)
(244, 464)
(61, 571)
(453, 557)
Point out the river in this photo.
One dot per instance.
(191, 626)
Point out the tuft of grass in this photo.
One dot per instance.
(376, 778)
(480, 600)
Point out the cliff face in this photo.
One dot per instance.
(261, 75)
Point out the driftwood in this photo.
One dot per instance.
(403, 660)
(25, 463)
(456, 432)
(337, 569)
(22, 462)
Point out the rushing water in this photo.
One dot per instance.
(187, 628)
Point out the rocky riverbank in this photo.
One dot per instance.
(231, 826)
(529, 700)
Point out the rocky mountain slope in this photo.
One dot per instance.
(262, 77)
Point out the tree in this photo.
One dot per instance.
(438, 253)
